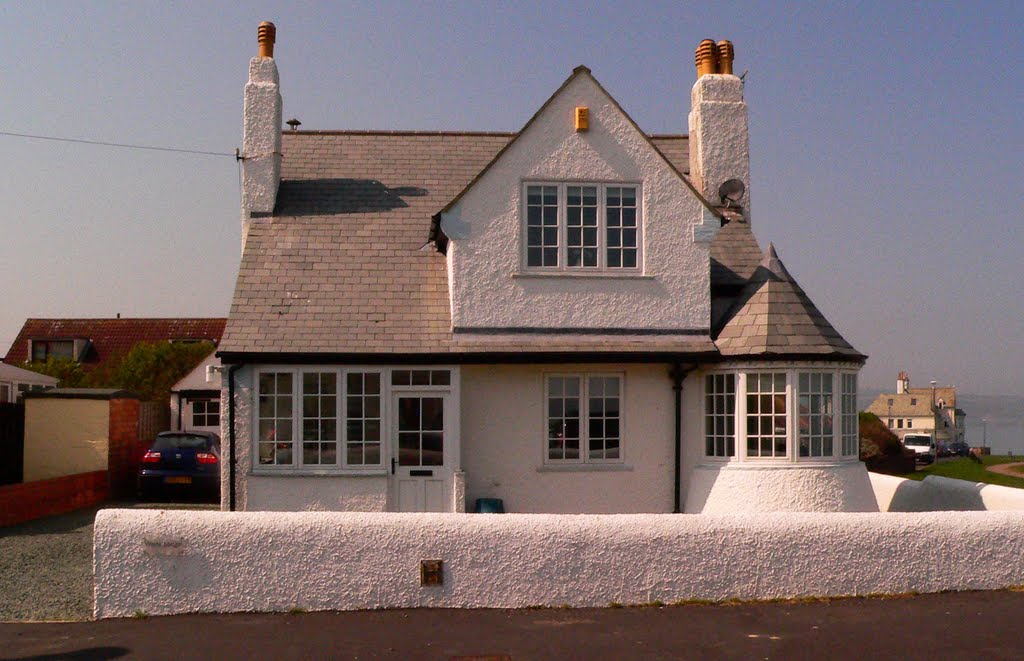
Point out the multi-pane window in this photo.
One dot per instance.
(421, 377)
(206, 413)
(59, 349)
(319, 418)
(603, 433)
(582, 226)
(720, 415)
(276, 411)
(815, 414)
(620, 203)
(363, 419)
(564, 417)
(584, 418)
(766, 414)
(848, 416)
(323, 419)
(542, 226)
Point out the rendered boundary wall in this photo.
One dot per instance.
(164, 562)
(33, 500)
(935, 493)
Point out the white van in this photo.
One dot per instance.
(923, 446)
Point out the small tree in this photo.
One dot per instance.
(152, 368)
(68, 372)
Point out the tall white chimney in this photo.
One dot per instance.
(719, 135)
(261, 132)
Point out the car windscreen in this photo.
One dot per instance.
(181, 442)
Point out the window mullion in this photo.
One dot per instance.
(602, 227)
(563, 232)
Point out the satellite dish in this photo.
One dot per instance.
(731, 191)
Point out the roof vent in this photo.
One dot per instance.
(293, 123)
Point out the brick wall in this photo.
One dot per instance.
(34, 500)
(125, 448)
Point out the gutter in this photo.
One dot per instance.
(232, 459)
(677, 374)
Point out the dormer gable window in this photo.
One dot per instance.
(581, 227)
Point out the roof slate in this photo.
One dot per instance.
(110, 338)
(735, 254)
(341, 267)
(774, 317)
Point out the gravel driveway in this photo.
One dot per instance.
(46, 568)
(46, 565)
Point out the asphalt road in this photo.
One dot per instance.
(966, 625)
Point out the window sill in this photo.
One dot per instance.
(583, 468)
(305, 472)
(529, 275)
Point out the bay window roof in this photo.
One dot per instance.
(774, 317)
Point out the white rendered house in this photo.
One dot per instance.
(573, 318)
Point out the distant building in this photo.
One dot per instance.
(96, 342)
(921, 411)
(14, 382)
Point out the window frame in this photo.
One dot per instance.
(205, 414)
(342, 466)
(792, 372)
(584, 413)
(562, 266)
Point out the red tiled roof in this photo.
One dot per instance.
(109, 338)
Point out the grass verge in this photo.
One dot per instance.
(965, 469)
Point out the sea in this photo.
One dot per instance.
(1003, 416)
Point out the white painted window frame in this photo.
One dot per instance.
(584, 458)
(792, 414)
(342, 468)
(602, 229)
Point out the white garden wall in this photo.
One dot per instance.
(163, 562)
(934, 493)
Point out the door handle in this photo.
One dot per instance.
(392, 465)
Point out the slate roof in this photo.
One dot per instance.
(110, 338)
(915, 402)
(773, 317)
(735, 254)
(341, 267)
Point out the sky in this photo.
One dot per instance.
(886, 144)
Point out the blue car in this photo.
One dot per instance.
(183, 465)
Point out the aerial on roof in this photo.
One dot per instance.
(95, 341)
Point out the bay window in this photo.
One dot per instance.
(787, 414)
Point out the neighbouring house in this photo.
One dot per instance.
(575, 317)
(931, 410)
(95, 343)
(195, 399)
(15, 382)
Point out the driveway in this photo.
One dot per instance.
(46, 566)
(966, 625)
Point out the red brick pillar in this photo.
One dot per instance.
(124, 451)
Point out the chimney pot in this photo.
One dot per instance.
(266, 35)
(706, 58)
(725, 56)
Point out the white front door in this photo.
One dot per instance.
(421, 472)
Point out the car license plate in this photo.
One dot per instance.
(178, 480)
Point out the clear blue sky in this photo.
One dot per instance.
(886, 144)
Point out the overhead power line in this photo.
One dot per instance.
(116, 144)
